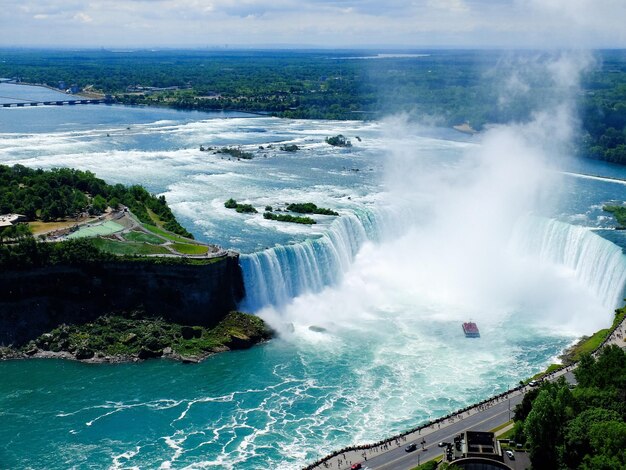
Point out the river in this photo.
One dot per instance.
(435, 228)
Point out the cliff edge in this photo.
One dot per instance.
(35, 300)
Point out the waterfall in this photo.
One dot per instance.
(598, 263)
(276, 275)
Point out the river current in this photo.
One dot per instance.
(433, 230)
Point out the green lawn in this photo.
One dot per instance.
(128, 248)
(504, 425)
(589, 345)
(188, 249)
(106, 228)
(165, 234)
(143, 237)
(594, 341)
(551, 368)
(430, 465)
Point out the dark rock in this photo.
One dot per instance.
(240, 342)
(190, 332)
(145, 353)
(153, 343)
(84, 353)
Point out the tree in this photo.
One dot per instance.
(98, 205)
(578, 434)
(544, 425)
(605, 372)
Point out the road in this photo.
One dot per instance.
(392, 456)
(483, 417)
(396, 458)
(486, 420)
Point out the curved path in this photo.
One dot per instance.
(488, 415)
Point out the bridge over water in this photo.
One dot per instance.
(70, 102)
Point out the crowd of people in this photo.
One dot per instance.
(387, 444)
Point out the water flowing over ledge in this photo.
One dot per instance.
(598, 263)
(276, 275)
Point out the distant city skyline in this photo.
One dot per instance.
(314, 23)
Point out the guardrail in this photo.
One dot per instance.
(457, 413)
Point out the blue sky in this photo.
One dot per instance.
(325, 23)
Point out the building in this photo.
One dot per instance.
(476, 450)
(6, 220)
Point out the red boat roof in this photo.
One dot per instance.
(470, 326)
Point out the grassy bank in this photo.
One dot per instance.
(588, 344)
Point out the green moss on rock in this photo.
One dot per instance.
(129, 337)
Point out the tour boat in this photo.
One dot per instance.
(471, 330)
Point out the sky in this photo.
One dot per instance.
(314, 23)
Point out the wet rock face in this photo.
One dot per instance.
(37, 300)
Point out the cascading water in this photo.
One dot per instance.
(276, 275)
(598, 263)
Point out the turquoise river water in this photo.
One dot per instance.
(434, 228)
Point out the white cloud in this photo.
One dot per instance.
(82, 17)
(413, 23)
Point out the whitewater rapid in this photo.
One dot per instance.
(368, 304)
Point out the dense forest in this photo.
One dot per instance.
(583, 427)
(442, 87)
(26, 252)
(64, 192)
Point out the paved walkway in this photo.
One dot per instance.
(489, 414)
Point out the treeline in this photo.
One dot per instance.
(604, 110)
(28, 253)
(310, 208)
(580, 428)
(445, 87)
(65, 192)
(289, 218)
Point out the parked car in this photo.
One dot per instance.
(356, 466)
(411, 447)
(510, 455)
(533, 383)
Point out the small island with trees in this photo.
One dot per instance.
(619, 212)
(309, 208)
(289, 218)
(241, 208)
(270, 212)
